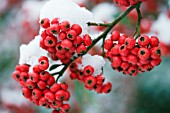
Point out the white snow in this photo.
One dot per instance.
(30, 53)
(105, 12)
(97, 62)
(67, 10)
(161, 26)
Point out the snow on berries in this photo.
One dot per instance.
(130, 56)
(89, 72)
(62, 40)
(39, 86)
(127, 3)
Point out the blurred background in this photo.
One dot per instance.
(147, 93)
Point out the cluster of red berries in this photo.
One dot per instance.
(127, 2)
(90, 82)
(131, 57)
(40, 88)
(62, 40)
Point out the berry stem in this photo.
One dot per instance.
(137, 30)
(104, 34)
(98, 24)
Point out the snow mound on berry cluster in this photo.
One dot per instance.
(67, 10)
(161, 26)
(105, 12)
(30, 53)
(80, 1)
(97, 62)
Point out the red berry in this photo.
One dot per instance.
(54, 29)
(81, 49)
(73, 67)
(42, 45)
(76, 28)
(55, 21)
(44, 75)
(51, 81)
(100, 79)
(143, 53)
(148, 67)
(156, 62)
(115, 49)
(155, 53)
(24, 76)
(71, 34)
(130, 43)
(68, 55)
(57, 104)
(144, 61)
(122, 39)
(26, 92)
(67, 96)
(90, 81)
(36, 69)
(125, 65)
(55, 87)
(24, 67)
(60, 49)
(62, 35)
(108, 44)
(34, 77)
(78, 40)
(50, 96)
(43, 58)
(134, 51)
(66, 43)
(115, 36)
(132, 59)
(65, 107)
(44, 35)
(50, 41)
(60, 95)
(30, 84)
(154, 41)
(16, 75)
(98, 88)
(37, 93)
(132, 69)
(73, 75)
(123, 50)
(143, 41)
(65, 26)
(43, 65)
(87, 40)
(45, 23)
(41, 84)
(43, 102)
(64, 86)
(88, 70)
(116, 61)
(107, 87)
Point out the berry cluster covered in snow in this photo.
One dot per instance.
(131, 57)
(63, 40)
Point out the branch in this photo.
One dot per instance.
(98, 24)
(104, 34)
(137, 31)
